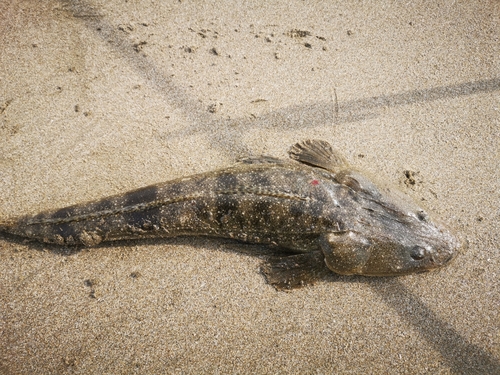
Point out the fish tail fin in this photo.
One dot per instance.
(8, 226)
(295, 271)
(5, 225)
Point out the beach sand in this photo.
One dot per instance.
(101, 97)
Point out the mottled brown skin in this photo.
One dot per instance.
(330, 215)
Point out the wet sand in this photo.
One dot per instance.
(101, 97)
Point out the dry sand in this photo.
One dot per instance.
(99, 97)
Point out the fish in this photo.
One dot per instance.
(320, 214)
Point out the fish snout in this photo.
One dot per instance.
(446, 249)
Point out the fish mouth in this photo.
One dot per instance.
(446, 244)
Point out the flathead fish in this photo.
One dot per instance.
(324, 215)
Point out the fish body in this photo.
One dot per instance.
(330, 216)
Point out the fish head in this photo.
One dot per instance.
(390, 234)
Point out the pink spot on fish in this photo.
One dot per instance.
(314, 182)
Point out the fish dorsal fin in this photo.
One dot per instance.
(318, 154)
(260, 160)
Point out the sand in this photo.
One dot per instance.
(100, 97)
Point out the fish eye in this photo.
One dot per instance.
(422, 215)
(417, 253)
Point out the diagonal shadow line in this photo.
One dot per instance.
(179, 98)
(316, 114)
(461, 356)
(319, 114)
(293, 116)
(176, 96)
(154, 77)
(422, 95)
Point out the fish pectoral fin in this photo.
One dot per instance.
(295, 271)
(345, 252)
(318, 154)
(260, 160)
